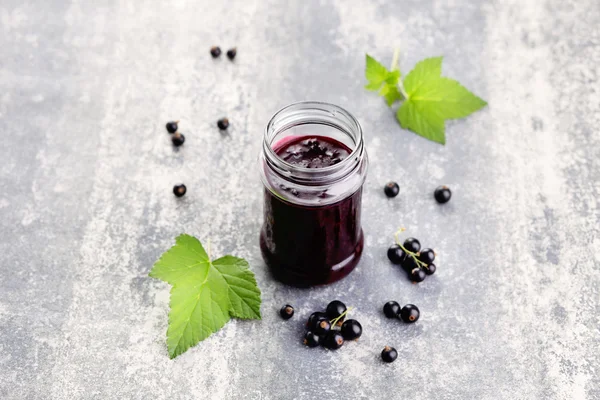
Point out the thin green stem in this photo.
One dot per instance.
(409, 253)
(395, 66)
(342, 315)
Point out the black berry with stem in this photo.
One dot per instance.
(215, 51)
(389, 354)
(442, 194)
(315, 318)
(333, 340)
(223, 124)
(351, 329)
(417, 275)
(178, 139)
(426, 256)
(413, 245)
(391, 189)
(335, 309)
(286, 311)
(430, 269)
(409, 264)
(312, 339)
(179, 190)
(172, 126)
(410, 313)
(231, 53)
(391, 309)
(396, 254)
(322, 327)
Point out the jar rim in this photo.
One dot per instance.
(327, 108)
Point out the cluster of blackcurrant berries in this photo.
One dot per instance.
(328, 328)
(416, 262)
(215, 52)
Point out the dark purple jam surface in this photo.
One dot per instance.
(311, 245)
(312, 152)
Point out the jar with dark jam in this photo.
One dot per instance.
(313, 165)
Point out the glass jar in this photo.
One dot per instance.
(313, 165)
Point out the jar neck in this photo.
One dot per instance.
(329, 120)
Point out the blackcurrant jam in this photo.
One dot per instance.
(313, 166)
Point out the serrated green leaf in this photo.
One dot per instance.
(392, 95)
(375, 73)
(187, 260)
(205, 294)
(244, 294)
(393, 77)
(424, 70)
(447, 98)
(412, 116)
(432, 99)
(198, 309)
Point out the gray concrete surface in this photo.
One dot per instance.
(86, 172)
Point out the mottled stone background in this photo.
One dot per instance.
(87, 169)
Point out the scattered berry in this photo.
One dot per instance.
(231, 53)
(430, 269)
(351, 329)
(391, 309)
(417, 275)
(286, 311)
(314, 319)
(312, 339)
(179, 190)
(412, 245)
(322, 327)
(442, 194)
(215, 51)
(410, 313)
(223, 124)
(427, 256)
(389, 354)
(334, 340)
(391, 189)
(172, 126)
(178, 139)
(335, 309)
(396, 254)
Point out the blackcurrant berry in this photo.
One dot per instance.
(430, 269)
(389, 354)
(312, 339)
(409, 264)
(322, 327)
(412, 245)
(391, 189)
(351, 329)
(410, 313)
(286, 311)
(417, 275)
(314, 319)
(223, 124)
(231, 53)
(334, 340)
(179, 190)
(335, 309)
(178, 139)
(396, 254)
(427, 256)
(442, 194)
(215, 51)
(172, 126)
(391, 309)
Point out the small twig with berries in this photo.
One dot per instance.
(416, 262)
